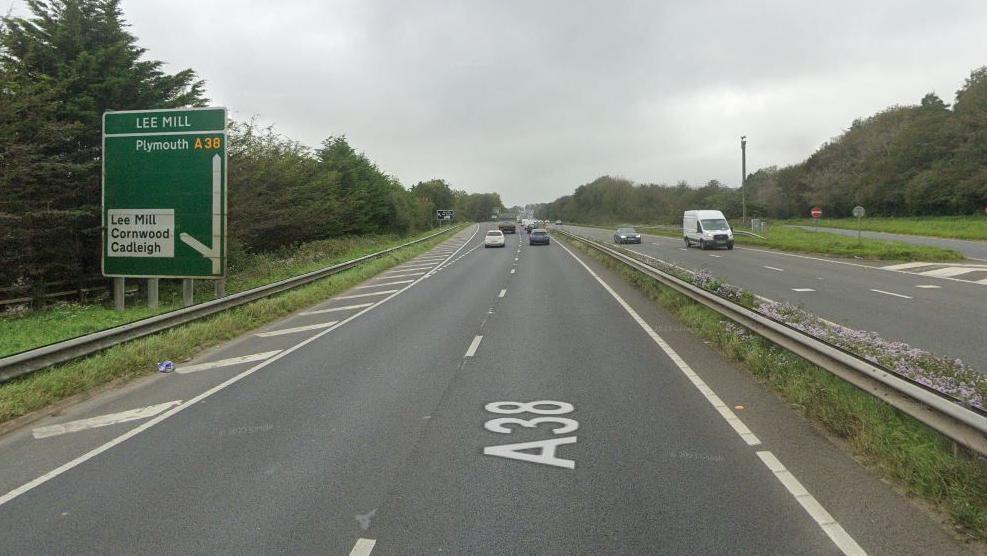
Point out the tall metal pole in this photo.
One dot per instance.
(743, 178)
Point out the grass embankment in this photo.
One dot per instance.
(893, 444)
(954, 227)
(803, 241)
(61, 321)
(139, 357)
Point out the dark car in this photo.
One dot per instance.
(626, 235)
(538, 237)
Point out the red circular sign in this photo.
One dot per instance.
(816, 212)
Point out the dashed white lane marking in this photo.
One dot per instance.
(891, 293)
(363, 547)
(382, 284)
(296, 329)
(185, 369)
(775, 268)
(738, 426)
(712, 255)
(75, 462)
(512, 270)
(830, 526)
(382, 292)
(927, 286)
(682, 249)
(471, 351)
(103, 420)
(404, 275)
(336, 309)
(803, 290)
(502, 293)
(517, 259)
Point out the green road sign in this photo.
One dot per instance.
(164, 193)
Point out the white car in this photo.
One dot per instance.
(494, 238)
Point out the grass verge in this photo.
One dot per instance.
(954, 227)
(803, 241)
(139, 357)
(890, 442)
(61, 321)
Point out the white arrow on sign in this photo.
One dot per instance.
(217, 223)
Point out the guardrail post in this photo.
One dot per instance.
(187, 284)
(220, 288)
(152, 293)
(118, 293)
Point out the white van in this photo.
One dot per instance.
(706, 228)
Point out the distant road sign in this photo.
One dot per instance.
(816, 212)
(164, 193)
(445, 214)
(858, 211)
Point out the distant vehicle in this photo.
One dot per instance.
(626, 235)
(538, 237)
(529, 226)
(494, 238)
(558, 222)
(507, 226)
(706, 228)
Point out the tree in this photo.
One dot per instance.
(59, 71)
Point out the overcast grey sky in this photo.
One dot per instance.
(531, 99)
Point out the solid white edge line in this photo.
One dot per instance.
(295, 329)
(471, 351)
(738, 426)
(335, 309)
(103, 420)
(363, 547)
(816, 511)
(185, 369)
(890, 293)
(34, 483)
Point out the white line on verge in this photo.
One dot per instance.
(335, 309)
(728, 414)
(411, 267)
(502, 293)
(381, 285)
(471, 351)
(185, 369)
(363, 547)
(775, 268)
(295, 329)
(38, 481)
(103, 420)
(891, 293)
(830, 526)
(382, 292)
(405, 275)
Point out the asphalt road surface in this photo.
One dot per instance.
(975, 250)
(942, 315)
(473, 401)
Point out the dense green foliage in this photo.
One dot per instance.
(59, 71)
(927, 159)
(72, 60)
